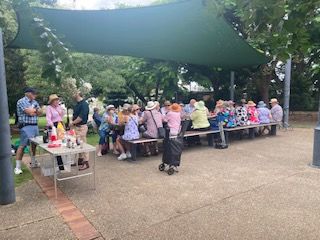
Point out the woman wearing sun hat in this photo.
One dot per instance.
(54, 112)
(199, 117)
(253, 113)
(152, 118)
(276, 110)
(54, 116)
(173, 118)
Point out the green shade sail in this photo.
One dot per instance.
(184, 32)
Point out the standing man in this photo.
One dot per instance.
(276, 110)
(28, 110)
(79, 121)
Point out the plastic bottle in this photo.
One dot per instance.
(60, 131)
(53, 136)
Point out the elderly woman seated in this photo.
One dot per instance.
(152, 118)
(199, 117)
(131, 131)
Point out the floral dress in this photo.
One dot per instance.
(253, 115)
(131, 131)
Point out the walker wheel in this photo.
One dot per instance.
(170, 171)
(162, 167)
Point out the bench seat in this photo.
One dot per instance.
(187, 134)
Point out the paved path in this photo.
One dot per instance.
(261, 189)
(32, 217)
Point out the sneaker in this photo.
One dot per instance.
(176, 169)
(99, 154)
(122, 156)
(17, 171)
(128, 154)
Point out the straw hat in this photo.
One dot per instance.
(261, 104)
(126, 106)
(175, 107)
(52, 97)
(150, 105)
(274, 100)
(251, 104)
(200, 105)
(243, 101)
(219, 103)
(111, 106)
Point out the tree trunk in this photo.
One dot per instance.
(137, 93)
(264, 86)
(263, 80)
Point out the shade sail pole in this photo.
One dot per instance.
(286, 102)
(232, 85)
(316, 143)
(7, 191)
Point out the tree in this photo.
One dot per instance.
(280, 28)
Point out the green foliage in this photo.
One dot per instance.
(279, 28)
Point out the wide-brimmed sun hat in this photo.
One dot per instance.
(261, 104)
(219, 103)
(251, 104)
(111, 106)
(126, 106)
(274, 100)
(200, 105)
(53, 97)
(175, 107)
(243, 101)
(151, 105)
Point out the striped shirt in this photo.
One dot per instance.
(23, 117)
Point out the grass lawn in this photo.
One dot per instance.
(41, 122)
(22, 178)
(93, 139)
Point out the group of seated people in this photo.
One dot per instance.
(131, 122)
(247, 113)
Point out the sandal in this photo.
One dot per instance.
(84, 166)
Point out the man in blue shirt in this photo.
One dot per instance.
(28, 110)
(79, 122)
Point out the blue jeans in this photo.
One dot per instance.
(103, 135)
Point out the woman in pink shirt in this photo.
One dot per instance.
(54, 112)
(173, 118)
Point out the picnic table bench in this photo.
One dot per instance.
(251, 129)
(210, 135)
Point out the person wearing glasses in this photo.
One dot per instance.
(166, 107)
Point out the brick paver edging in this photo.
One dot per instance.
(72, 216)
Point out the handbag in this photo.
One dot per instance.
(161, 130)
(142, 128)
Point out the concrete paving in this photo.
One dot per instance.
(261, 189)
(31, 217)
